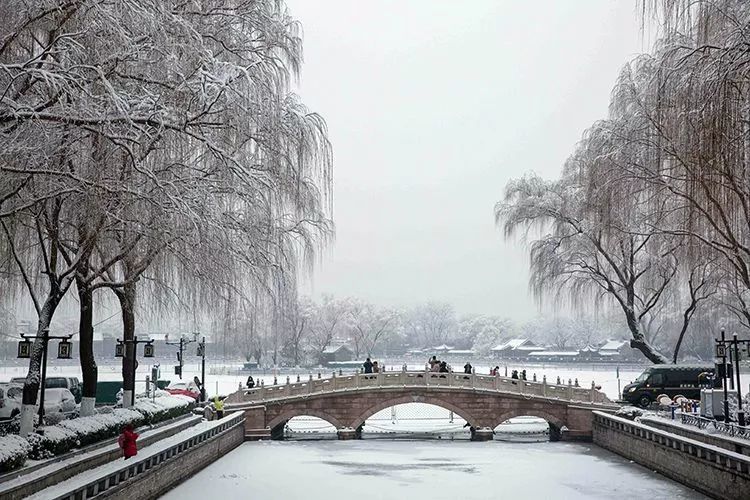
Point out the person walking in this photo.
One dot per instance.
(250, 382)
(375, 367)
(126, 441)
(219, 407)
(523, 374)
(367, 365)
(514, 374)
(467, 367)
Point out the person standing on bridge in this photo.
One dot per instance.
(367, 365)
(219, 407)
(468, 367)
(126, 441)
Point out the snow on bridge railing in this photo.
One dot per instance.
(112, 476)
(356, 381)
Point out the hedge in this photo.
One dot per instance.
(83, 431)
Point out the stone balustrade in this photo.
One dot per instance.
(407, 379)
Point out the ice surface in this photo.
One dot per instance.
(429, 470)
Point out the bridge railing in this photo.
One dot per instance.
(417, 379)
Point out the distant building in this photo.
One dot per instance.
(516, 349)
(336, 354)
(552, 356)
(615, 350)
(442, 349)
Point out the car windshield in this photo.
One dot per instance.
(643, 376)
(15, 392)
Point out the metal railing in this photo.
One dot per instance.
(739, 464)
(139, 466)
(406, 379)
(726, 428)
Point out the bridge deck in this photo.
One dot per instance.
(405, 379)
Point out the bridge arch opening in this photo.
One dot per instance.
(532, 426)
(413, 420)
(308, 424)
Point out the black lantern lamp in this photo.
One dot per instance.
(64, 349)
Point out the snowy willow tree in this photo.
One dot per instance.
(214, 170)
(694, 94)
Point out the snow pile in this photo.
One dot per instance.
(630, 412)
(68, 434)
(164, 406)
(13, 452)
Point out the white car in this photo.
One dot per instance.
(57, 400)
(10, 400)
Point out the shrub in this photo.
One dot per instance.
(108, 423)
(13, 452)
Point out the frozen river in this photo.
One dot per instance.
(425, 470)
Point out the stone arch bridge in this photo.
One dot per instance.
(484, 401)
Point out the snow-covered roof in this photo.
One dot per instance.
(529, 348)
(461, 351)
(554, 353)
(514, 344)
(613, 345)
(334, 348)
(589, 348)
(442, 348)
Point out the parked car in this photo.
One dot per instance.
(56, 400)
(10, 400)
(672, 380)
(185, 389)
(59, 399)
(70, 383)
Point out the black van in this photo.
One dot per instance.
(672, 380)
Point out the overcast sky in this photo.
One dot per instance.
(432, 106)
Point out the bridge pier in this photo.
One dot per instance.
(347, 433)
(482, 434)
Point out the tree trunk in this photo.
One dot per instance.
(34, 376)
(126, 296)
(89, 369)
(639, 341)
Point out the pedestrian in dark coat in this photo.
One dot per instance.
(367, 365)
(467, 367)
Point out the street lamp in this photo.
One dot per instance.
(64, 350)
(732, 347)
(148, 352)
(202, 353)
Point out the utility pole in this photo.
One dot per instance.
(182, 343)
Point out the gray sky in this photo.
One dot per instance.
(432, 106)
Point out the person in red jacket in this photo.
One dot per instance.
(127, 442)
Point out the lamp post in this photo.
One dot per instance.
(148, 352)
(64, 350)
(202, 353)
(732, 347)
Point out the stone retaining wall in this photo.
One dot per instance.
(720, 440)
(161, 479)
(713, 471)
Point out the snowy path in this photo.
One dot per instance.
(84, 478)
(29, 474)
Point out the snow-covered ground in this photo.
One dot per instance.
(429, 470)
